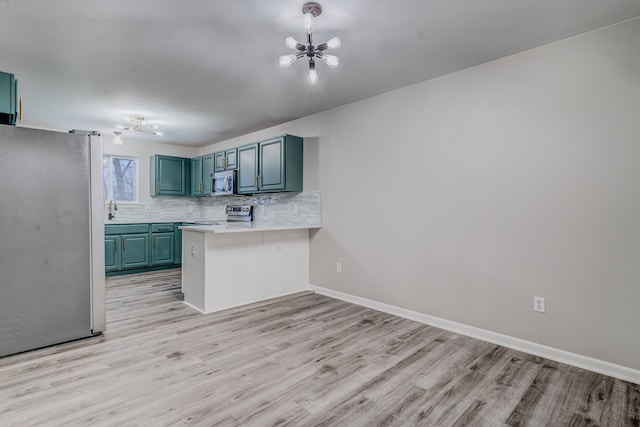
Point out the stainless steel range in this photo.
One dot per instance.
(239, 213)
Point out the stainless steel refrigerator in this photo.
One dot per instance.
(51, 238)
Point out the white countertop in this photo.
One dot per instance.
(240, 227)
(154, 221)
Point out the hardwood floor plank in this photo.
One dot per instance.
(494, 404)
(298, 360)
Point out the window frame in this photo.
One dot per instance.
(109, 195)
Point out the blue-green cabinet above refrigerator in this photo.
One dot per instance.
(9, 101)
(226, 160)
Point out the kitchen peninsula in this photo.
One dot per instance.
(229, 265)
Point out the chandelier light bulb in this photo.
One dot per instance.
(312, 78)
(334, 43)
(287, 60)
(291, 43)
(331, 60)
(308, 22)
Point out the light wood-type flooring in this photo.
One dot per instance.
(300, 360)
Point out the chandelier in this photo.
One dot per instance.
(310, 11)
(139, 124)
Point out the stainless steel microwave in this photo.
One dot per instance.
(224, 183)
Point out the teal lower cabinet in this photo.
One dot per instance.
(163, 244)
(112, 253)
(134, 248)
(162, 248)
(177, 239)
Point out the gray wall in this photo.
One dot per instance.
(519, 178)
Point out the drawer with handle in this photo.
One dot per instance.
(162, 228)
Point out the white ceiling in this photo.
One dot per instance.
(206, 70)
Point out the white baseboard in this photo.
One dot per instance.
(194, 307)
(562, 356)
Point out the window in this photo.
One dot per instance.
(120, 178)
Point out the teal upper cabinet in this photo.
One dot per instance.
(226, 160)
(231, 161)
(169, 175)
(219, 161)
(248, 169)
(201, 175)
(8, 99)
(272, 165)
(207, 173)
(197, 186)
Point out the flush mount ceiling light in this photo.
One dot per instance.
(140, 125)
(117, 140)
(310, 11)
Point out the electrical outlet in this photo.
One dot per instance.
(147, 208)
(295, 209)
(190, 208)
(538, 304)
(193, 250)
(339, 267)
(290, 208)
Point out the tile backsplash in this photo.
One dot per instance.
(271, 208)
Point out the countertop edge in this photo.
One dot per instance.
(242, 228)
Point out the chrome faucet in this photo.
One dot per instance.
(113, 206)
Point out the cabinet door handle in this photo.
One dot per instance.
(259, 181)
(255, 181)
(154, 242)
(20, 109)
(225, 162)
(124, 244)
(202, 187)
(116, 244)
(158, 187)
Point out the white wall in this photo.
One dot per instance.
(515, 178)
